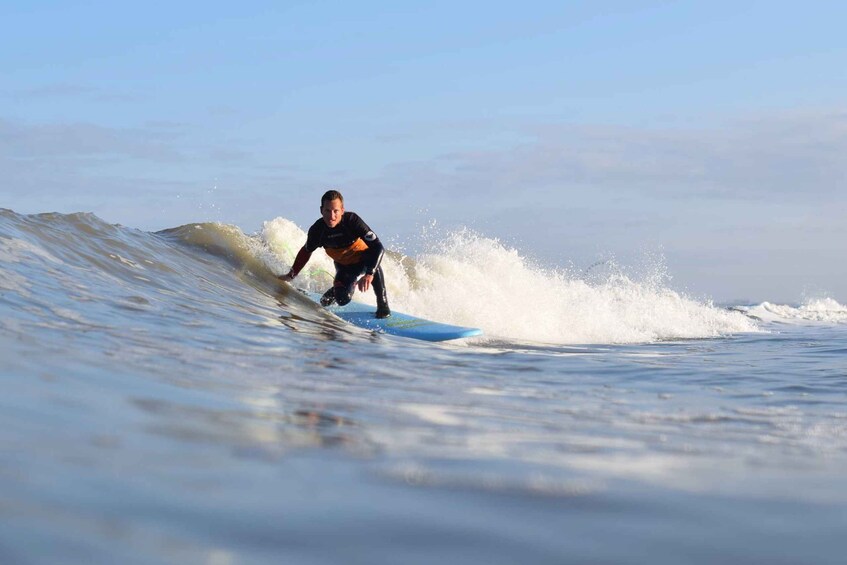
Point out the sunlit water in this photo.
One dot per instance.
(167, 401)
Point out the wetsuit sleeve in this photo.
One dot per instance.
(300, 261)
(373, 256)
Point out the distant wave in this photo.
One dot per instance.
(468, 279)
(819, 310)
(218, 271)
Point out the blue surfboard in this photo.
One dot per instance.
(399, 324)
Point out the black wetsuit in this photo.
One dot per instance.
(356, 250)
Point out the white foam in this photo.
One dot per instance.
(472, 280)
(16, 250)
(14, 282)
(284, 239)
(818, 310)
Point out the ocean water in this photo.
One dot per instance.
(165, 400)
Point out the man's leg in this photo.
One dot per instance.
(382, 309)
(328, 297)
(344, 284)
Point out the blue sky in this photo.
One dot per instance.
(711, 132)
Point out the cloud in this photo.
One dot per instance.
(67, 91)
(227, 155)
(50, 141)
(787, 156)
(152, 176)
(58, 90)
(86, 167)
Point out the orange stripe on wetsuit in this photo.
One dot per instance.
(349, 255)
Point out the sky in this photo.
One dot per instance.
(711, 134)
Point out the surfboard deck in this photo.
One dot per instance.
(399, 324)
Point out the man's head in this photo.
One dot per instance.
(332, 207)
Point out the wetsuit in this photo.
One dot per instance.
(355, 249)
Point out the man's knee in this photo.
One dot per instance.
(343, 295)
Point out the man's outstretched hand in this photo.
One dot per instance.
(365, 283)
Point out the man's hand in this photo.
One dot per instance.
(365, 283)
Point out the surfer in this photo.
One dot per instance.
(355, 249)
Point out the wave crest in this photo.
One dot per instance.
(467, 279)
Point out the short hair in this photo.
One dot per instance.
(331, 195)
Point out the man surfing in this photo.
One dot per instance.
(354, 248)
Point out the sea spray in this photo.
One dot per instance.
(468, 279)
(816, 310)
(283, 238)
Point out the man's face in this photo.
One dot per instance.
(332, 211)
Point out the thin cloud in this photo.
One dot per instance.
(63, 91)
(784, 155)
(49, 141)
(226, 155)
(73, 167)
(58, 90)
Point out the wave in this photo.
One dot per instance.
(468, 279)
(217, 271)
(817, 310)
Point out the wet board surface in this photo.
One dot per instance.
(399, 324)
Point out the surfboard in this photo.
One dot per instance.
(399, 324)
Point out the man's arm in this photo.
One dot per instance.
(300, 261)
(373, 256)
(375, 251)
